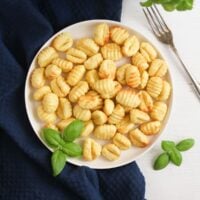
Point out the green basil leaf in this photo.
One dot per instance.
(73, 130)
(162, 161)
(167, 145)
(58, 160)
(169, 7)
(72, 149)
(147, 3)
(175, 156)
(185, 145)
(52, 137)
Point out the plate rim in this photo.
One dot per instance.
(170, 104)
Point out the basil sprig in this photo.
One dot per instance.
(170, 5)
(172, 152)
(63, 144)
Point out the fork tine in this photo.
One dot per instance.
(162, 20)
(151, 23)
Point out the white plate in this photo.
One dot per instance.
(85, 29)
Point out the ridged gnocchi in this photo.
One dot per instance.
(138, 138)
(62, 42)
(117, 115)
(146, 101)
(75, 75)
(88, 128)
(82, 114)
(121, 73)
(125, 125)
(99, 117)
(37, 78)
(105, 131)
(91, 77)
(52, 71)
(118, 35)
(150, 128)
(158, 67)
(50, 102)
(154, 86)
(64, 110)
(121, 141)
(159, 111)
(91, 149)
(45, 116)
(132, 76)
(76, 56)
(148, 51)
(139, 61)
(111, 152)
(107, 70)
(101, 34)
(39, 93)
(64, 65)
(111, 51)
(144, 77)
(138, 117)
(93, 62)
(109, 106)
(165, 93)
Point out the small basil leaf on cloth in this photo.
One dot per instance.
(72, 149)
(167, 145)
(73, 130)
(52, 137)
(175, 156)
(58, 160)
(162, 161)
(185, 145)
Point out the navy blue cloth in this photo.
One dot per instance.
(25, 171)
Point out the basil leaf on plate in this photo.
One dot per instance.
(72, 149)
(52, 137)
(185, 145)
(58, 160)
(162, 161)
(73, 130)
(175, 156)
(167, 145)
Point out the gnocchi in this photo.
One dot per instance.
(105, 131)
(111, 152)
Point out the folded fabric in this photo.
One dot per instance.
(25, 171)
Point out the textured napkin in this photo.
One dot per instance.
(25, 171)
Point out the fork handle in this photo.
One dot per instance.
(195, 84)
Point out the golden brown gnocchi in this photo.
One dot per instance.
(99, 117)
(158, 67)
(64, 110)
(101, 34)
(82, 114)
(154, 86)
(139, 61)
(150, 128)
(144, 79)
(111, 152)
(37, 78)
(91, 77)
(118, 34)
(125, 125)
(121, 73)
(165, 93)
(138, 138)
(146, 100)
(45, 116)
(148, 51)
(93, 62)
(64, 65)
(121, 141)
(117, 115)
(76, 56)
(133, 76)
(39, 93)
(88, 129)
(52, 71)
(107, 70)
(138, 117)
(50, 102)
(109, 106)
(159, 111)
(105, 131)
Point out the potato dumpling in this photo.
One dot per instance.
(59, 86)
(121, 141)
(105, 131)
(91, 77)
(138, 117)
(127, 97)
(158, 67)
(146, 104)
(91, 149)
(37, 78)
(107, 70)
(159, 111)
(131, 46)
(90, 100)
(111, 51)
(148, 51)
(51, 126)
(101, 34)
(62, 42)
(133, 76)
(140, 61)
(118, 34)
(64, 65)
(52, 71)
(46, 55)
(144, 77)
(39, 93)
(45, 116)
(64, 123)
(150, 128)
(99, 117)
(117, 115)
(50, 102)
(88, 128)
(88, 46)
(138, 138)
(76, 56)
(75, 75)
(154, 86)
(121, 73)
(109, 106)
(82, 114)
(77, 91)
(111, 152)
(64, 110)
(125, 125)
(166, 89)
(93, 62)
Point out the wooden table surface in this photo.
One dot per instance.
(175, 183)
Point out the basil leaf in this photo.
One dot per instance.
(147, 3)
(185, 145)
(175, 156)
(167, 145)
(73, 130)
(58, 160)
(162, 161)
(72, 149)
(52, 137)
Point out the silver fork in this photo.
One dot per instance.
(164, 34)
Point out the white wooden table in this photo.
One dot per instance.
(175, 183)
